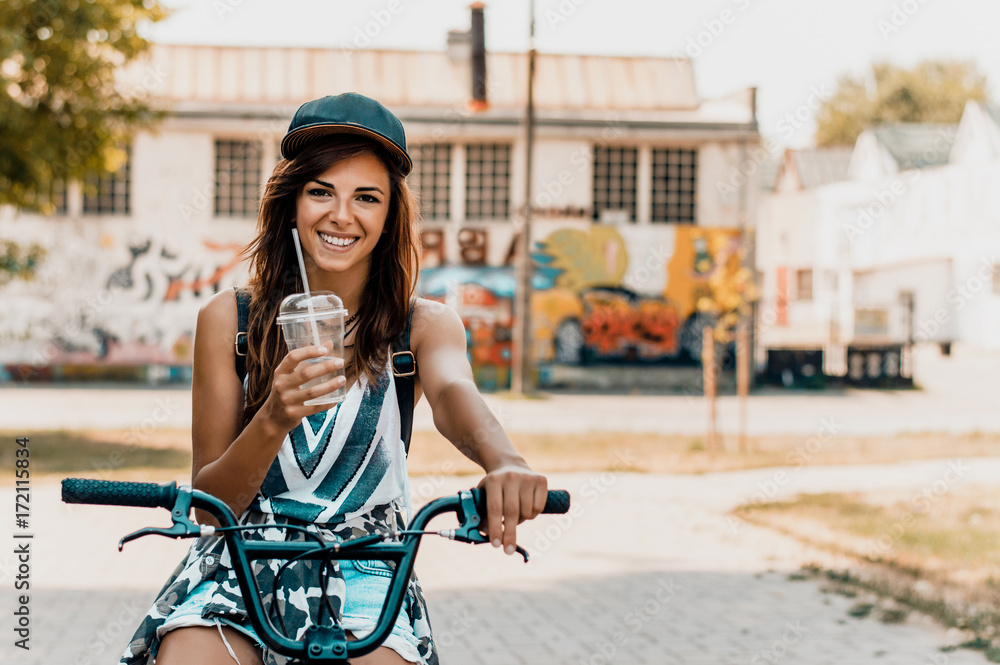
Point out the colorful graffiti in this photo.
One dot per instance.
(483, 297)
(587, 306)
(129, 301)
(602, 294)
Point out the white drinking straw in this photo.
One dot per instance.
(305, 283)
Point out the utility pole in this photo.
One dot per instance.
(521, 379)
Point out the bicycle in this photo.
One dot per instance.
(321, 645)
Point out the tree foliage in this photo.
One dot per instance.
(64, 109)
(933, 91)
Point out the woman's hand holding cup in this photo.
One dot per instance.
(286, 404)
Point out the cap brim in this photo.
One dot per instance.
(296, 140)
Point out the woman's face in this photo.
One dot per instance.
(341, 213)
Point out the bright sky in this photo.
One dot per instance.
(789, 49)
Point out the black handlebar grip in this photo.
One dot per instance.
(557, 502)
(116, 493)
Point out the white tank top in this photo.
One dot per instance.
(341, 463)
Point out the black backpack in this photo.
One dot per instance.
(404, 364)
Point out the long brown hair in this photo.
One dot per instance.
(274, 274)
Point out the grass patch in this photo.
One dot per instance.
(940, 556)
(90, 453)
(956, 533)
(431, 453)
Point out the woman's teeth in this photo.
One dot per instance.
(338, 242)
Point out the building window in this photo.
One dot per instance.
(108, 193)
(237, 178)
(615, 183)
(804, 284)
(51, 201)
(430, 179)
(487, 181)
(674, 178)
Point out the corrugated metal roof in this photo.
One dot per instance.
(566, 85)
(917, 145)
(821, 166)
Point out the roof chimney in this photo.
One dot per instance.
(479, 101)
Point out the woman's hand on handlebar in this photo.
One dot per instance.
(513, 494)
(285, 405)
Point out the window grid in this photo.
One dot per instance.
(487, 181)
(237, 178)
(675, 174)
(108, 193)
(431, 177)
(615, 170)
(55, 196)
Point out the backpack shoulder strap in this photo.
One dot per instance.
(404, 372)
(242, 322)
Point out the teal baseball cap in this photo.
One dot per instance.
(347, 113)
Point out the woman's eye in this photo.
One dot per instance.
(368, 198)
(318, 192)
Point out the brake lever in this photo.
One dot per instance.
(183, 527)
(469, 525)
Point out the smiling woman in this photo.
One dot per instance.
(275, 457)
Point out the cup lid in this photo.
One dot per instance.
(297, 306)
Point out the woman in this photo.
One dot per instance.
(275, 460)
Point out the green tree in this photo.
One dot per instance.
(65, 110)
(933, 91)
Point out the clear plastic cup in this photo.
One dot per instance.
(327, 315)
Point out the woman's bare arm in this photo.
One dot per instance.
(514, 492)
(227, 462)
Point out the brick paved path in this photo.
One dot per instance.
(645, 570)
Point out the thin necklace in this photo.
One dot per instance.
(350, 328)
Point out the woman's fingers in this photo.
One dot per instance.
(296, 369)
(511, 498)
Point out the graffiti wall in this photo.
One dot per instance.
(113, 298)
(602, 294)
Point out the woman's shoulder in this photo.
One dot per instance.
(433, 318)
(219, 312)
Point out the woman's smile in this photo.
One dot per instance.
(338, 242)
